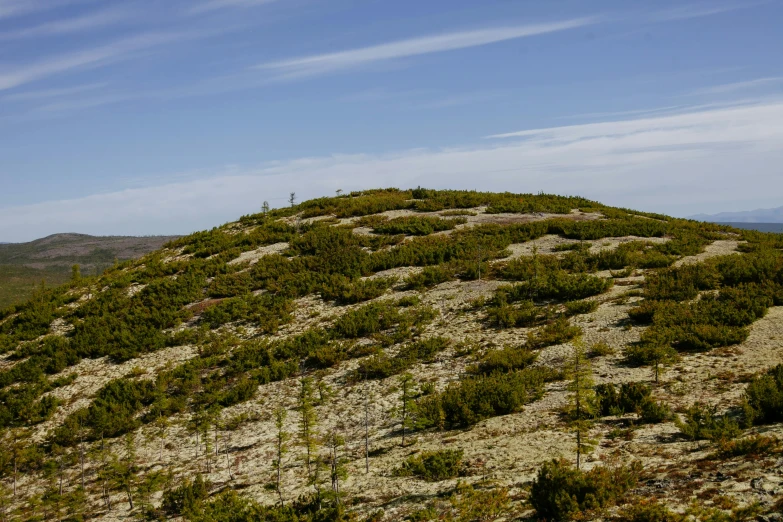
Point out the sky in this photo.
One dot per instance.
(141, 117)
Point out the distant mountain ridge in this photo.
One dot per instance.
(49, 259)
(762, 215)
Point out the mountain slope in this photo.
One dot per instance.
(762, 215)
(415, 354)
(24, 265)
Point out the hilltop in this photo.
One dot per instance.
(25, 265)
(407, 354)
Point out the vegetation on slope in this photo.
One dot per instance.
(242, 321)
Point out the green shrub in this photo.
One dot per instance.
(432, 466)
(477, 398)
(368, 319)
(266, 312)
(506, 360)
(703, 422)
(599, 349)
(650, 353)
(429, 277)
(566, 247)
(580, 307)
(185, 498)
(344, 291)
(628, 399)
(556, 284)
(756, 446)
(558, 331)
(631, 397)
(417, 225)
(523, 314)
(763, 400)
(653, 412)
(381, 366)
(561, 492)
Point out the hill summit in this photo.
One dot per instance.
(406, 355)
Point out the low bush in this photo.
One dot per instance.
(505, 360)
(265, 311)
(558, 331)
(523, 314)
(654, 412)
(429, 277)
(703, 422)
(631, 397)
(417, 225)
(477, 398)
(381, 366)
(627, 399)
(763, 400)
(580, 307)
(345, 291)
(432, 466)
(650, 353)
(562, 492)
(377, 317)
(599, 349)
(184, 499)
(755, 446)
(567, 247)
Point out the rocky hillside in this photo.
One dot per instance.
(407, 355)
(25, 265)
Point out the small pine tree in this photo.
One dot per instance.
(337, 470)
(292, 198)
(583, 404)
(406, 402)
(367, 399)
(661, 356)
(76, 274)
(308, 435)
(5, 502)
(325, 391)
(124, 470)
(265, 208)
(282, 448)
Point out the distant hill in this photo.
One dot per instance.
(49, 259)
(761, 227)
(762, 215)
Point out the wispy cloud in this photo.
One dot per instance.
(679, 164)
(12, 8)
(737, 86)
(688, 11)
(14, 77)
(422, 98)
(69, 25)
(44, 94)
(214, 5)
(686, 123)
(330, 62)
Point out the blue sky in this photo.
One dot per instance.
(149, 117)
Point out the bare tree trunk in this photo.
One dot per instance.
(81, 461)
(228, 459)
(60, 465)
(366, 430)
